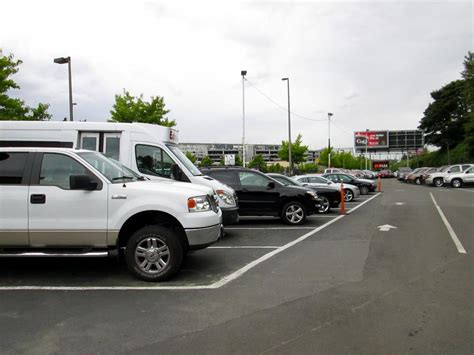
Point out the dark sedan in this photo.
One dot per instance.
(260, 195)
(329, 196)
(365, 186)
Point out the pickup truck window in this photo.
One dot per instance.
(57, 168)
(153, 161)
(12, 166)
(113, 171)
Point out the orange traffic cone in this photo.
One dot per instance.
(342, 210)
(379, 184)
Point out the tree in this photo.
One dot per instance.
(444, 119)
(128, 108)
(468, 75)
(258, 163)
(14, 108)
(206, 161)
(298, 151)
(191, 157)
(238, 160)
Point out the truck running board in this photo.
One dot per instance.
(57, 254)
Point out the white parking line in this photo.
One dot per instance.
(450, 229)
(246, 247)
(223, 281)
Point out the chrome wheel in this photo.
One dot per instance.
(438, 182)
(294, 214)
(325, 205)
(456, 183)
(152, 255)
(418, 181)
(348, 195)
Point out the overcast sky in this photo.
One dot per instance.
(373, 64)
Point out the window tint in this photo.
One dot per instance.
(464, 167)
(57, 168)
(12, 166)
(470, 171)
(153, 161)
(89, 143)
(303, 179)
(252, 179)
(112, 147)
(316, 180)
(455, 169)
(345, 178)
(226, 177)
(332, 177)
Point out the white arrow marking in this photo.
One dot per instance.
(400, 203)
(386, 228)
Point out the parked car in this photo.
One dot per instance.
(365, 186)
(437, 178)
(315, 180)
(384, 174)
(415, 176)
(425, 174)
(332, 170)
(65, 202)
(459, 179)
(261, 195)
(402, 172)
(329, 195)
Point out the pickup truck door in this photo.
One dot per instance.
(59, 216)
(14, 179)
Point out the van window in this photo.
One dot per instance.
(153, 161)
(112, 147)
(89, 143)
(12, 166)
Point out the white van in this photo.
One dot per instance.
(148, 149)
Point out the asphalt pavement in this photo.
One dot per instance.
(338, 285)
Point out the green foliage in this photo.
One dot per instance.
(258, 163)
(343, 160)
(468, 75)
(298, 151)
(275, 168)
(206, 161)
(13, 108)
(306, 168)
(444, 118)
(238, 160)
(191, 157)
(128, 108)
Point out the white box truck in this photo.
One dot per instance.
(148, 149)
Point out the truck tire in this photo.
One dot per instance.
(154, 253)
(293, 213)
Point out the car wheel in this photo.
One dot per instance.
(364, 190)
(293, 213)
(456, 183)
(325, 205)
(418, 181)
(154, 253)
(348, 195)
(438, 182)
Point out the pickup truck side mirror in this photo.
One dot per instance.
(271, 185)
(82, 182)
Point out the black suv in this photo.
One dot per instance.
(260, 195)
(365, 186)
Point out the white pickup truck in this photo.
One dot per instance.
(64, 202)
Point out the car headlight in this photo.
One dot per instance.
(312, 194)
(199, 204)
(226, 197)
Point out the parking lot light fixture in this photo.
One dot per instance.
(243, 73)
(329, 138)
(290, 162)
(64, 60)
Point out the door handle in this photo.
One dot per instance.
(38, 199)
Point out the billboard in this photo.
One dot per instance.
(371, 139)
(389, 141)
(380, 164)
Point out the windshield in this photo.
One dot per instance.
(444, 168)
(184, 160)
(111, 170)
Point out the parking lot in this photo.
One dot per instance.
(246, 244)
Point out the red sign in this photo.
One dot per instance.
(376, 139)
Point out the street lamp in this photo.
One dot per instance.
(64, 60)
(243, 73)
(329, 138)
(290, 162)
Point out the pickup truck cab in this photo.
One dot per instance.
(65, 202)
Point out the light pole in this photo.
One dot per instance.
(329, 138)
(243, 73)
(366, 146)
(64, 60)
(290, 162)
